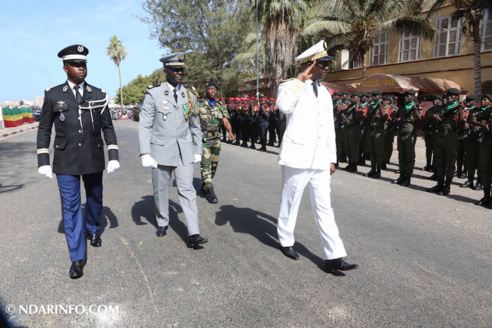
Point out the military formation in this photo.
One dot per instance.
(457, 137)
(254, 121)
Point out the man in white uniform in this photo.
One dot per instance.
(308, 156)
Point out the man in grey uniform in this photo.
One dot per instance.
(171, 140)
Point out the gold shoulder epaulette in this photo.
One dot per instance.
(192, 90)
(153, 86)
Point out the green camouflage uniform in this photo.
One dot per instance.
(407, 137)
(210, 120)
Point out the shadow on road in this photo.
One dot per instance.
(261, 226)
(10, 188)
(144, 208)
(106, 216)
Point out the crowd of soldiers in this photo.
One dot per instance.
(252, 119)
(457, 137)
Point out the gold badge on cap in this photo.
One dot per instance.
(80, 48)
(181, 58)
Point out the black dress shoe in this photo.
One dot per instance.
(290, 252)
(77, 269)
(405, 182)
(95, 239)
(444, 191)
(397, 171)
(399, 181)
(462, 175)
(484, 201)
(194, 241)
(384, 166)
(478, 186)
(437, 188)
(468, 184)
(210, 196)
(433, 177)
(161, 231)
(336, 266)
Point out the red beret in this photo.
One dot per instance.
(272, 99)
(232, 98)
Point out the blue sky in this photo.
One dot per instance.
(33, 31)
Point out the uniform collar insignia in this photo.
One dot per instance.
(65, 88)
(88, 88)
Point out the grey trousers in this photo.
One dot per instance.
(161, 179)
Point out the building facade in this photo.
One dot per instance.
(449, 56)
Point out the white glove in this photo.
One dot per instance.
(198, 158)
(45, 170)
(148, 161)
(113, 166)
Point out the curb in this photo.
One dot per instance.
(10, 133)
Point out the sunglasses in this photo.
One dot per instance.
(176, 69)
(322, 64)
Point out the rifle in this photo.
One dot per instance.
(394, 127)
(368, 118)
(340, 122)
(444, 113)
(478, 133)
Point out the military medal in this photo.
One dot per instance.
(164, 117)
(62, 117)
(183, 94)
(166, 93)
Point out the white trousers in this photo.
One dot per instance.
(293, 183)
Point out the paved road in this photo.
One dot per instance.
(425, 260)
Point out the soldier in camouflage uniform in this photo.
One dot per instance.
(484, 122)
(407, 118)
(377, 116)
(446, 142)
(212, 114)
(472, 147)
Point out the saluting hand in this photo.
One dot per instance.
(306, 75)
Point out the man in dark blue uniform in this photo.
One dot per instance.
(80, 113)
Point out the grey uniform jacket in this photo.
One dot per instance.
(164, 131)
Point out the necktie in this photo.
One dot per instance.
(315, 87)
(175, 95)
(78, 97)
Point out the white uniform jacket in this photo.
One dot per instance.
(309, 138)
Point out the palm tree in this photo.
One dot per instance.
(117, 52)
(282, 22)
(352, 23)
(472, 11)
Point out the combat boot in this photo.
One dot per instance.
(446, 189)
(377, 174)
(400, 180)
(210, 196)
(371, 172)
(352, 167)
(485, 200)
(438, 188)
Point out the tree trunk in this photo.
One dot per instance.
(364, 67)
(121, 88)
(477, 45)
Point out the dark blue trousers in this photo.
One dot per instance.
(69, 186)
